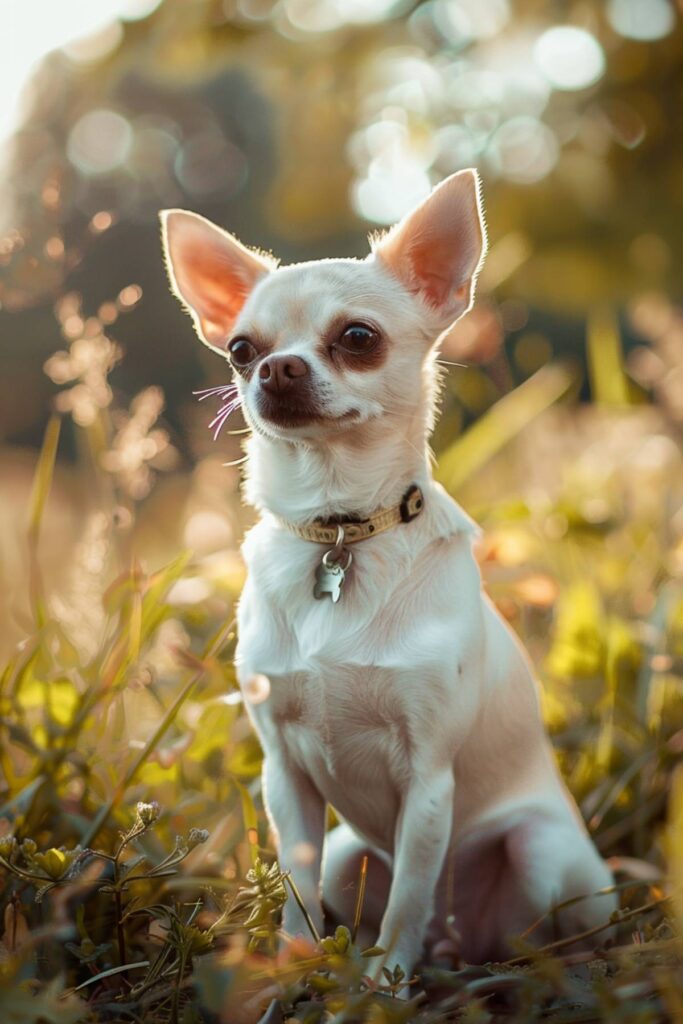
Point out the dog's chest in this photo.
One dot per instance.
(354, 686)
(348, 729)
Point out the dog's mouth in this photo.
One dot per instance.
(288, 412)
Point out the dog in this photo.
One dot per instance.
(388, 685)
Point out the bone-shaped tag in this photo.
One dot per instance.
(329, 579)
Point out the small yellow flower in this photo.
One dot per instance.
(198, 941)
(55, 863)
(8, 845)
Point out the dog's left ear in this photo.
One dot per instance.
(437, 250)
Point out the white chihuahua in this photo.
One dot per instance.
(396, 691)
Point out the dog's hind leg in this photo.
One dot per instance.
(556, 863)
(342, 863)
(511, 879)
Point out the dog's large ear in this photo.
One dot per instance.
(437, 250)
(210, 272)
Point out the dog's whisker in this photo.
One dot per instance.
(231, 403)
(222, 415)
(232, 386)
(221, 390)
(219, 420)
(217, 431)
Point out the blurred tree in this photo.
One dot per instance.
(302, 123)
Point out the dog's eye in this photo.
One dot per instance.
(358, 339)
(242, 352)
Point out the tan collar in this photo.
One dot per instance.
(327, 531)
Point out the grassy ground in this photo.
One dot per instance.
(138, 880)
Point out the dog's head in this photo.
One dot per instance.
(323, 346)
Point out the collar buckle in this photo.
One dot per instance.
(411, 504)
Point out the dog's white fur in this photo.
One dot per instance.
(410, 705)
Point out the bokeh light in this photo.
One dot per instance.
(99, 141)
(257, 689)
(570, 58)
(136, 10)
(94, 47)
(35, 28)
(390, 190)
(209, 164)
(523, 150)
(644, 20)
(462, 22)
(328, 15)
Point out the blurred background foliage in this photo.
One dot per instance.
(301, 125)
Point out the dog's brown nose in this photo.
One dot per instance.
(278, 373)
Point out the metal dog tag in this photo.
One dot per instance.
(330, 576)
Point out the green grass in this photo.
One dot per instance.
(138, 881)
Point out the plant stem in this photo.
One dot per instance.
(569, 940)
(120, 934)
(118, 904)
(302, 907)
(175, 1006)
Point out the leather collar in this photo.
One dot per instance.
(327, 531)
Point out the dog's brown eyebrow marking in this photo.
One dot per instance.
(339, 357)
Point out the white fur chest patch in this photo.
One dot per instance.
(357, 687)
(347, 728)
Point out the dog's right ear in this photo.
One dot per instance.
(210, 271)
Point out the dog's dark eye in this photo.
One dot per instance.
(242, 352)
(358, 339)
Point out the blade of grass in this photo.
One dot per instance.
(362, 880)
(42, 482)
(110, 972)
(135, 628)
(302, 906)
(569, 940)
(674, 835)
(24, 796)
(573, 900)
(250, 819)
(615, 791)
(505, 419)
(609, 383)
(213, 649)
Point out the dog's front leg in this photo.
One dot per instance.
(422, 839)
(297, 814)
